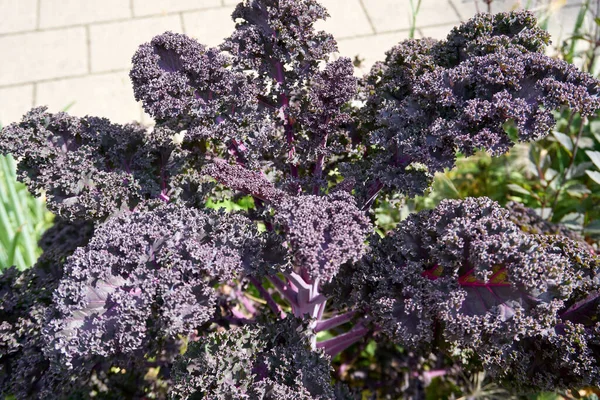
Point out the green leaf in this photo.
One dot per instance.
(576, 32)
(547, 396)
(595, 125)
(593, 228)
(543, 212)
(594, 156)
(573, 221)
(518, 189)
(578, 170)
(585, 143)
(580, 17)
(324, 335)
(550, 174)
(66, 108)
(15, 204)
(371, 348)
(594, 175)
(578, 190)
(564, 140)
(447, 187)
(13, 247)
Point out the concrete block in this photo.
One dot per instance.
(370, 48)
(104, 95)
(35, 56)
(348, 19)
(14, 103)
(209, 27)
(394, 15)
(18, 15)
(55, 13)
(156, 7)
(437, 32)
(113, 44)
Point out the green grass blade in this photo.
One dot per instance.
(13, 248)
(414, 11)
(570, 55)
(21, 218)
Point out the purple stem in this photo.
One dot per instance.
(429, 375)
(335, 350)
(309, 300)
(127, 167)
(334, 321)
(318, 299)
(305, 276)
(304, 297)
(238, 314)
(373, 192)
(246, 302)
(319, 165)
(303, 288)
(284, 289)
(267, 296)
(164, 197)
(163, 182)
(321, 310)
(340, 343)
(287, 122)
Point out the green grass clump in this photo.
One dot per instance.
(23, 219)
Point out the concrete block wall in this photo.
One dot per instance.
(76, 53)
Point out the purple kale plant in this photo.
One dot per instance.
(145, 292)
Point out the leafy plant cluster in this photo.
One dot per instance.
(557, 175)
(143, 291)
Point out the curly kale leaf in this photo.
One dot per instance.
(323, 232)
(89, 168)
(148, 276)
(467, 278)
(264, 361)
(430, 99)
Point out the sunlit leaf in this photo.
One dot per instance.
(594, 156)
(595, 126)
(564, 140)
(518, 189)
(595, 175)
(585, 143)
(578, 170)
(550, 174)
(578, 190)
(448, 187)
(573, 221)
(593, 228)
